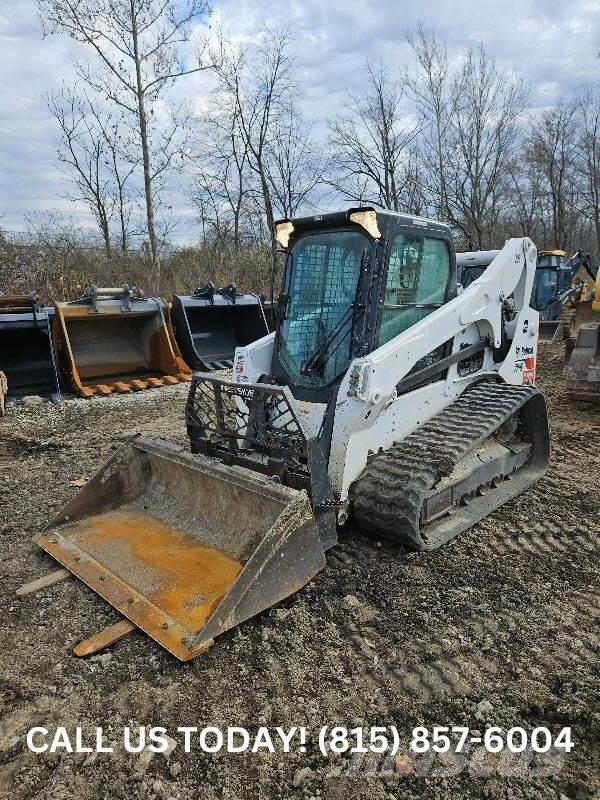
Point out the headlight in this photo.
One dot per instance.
(366, 220)
(283, 231)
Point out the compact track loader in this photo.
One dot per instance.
(384, 398)
(115, 340)
(212, 322)
(26, 351)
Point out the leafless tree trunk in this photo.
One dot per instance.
(434, 93)
(588, 156)
(551, 147)
(137, 44)
(296, 167)
(258, 82)
(82, 152)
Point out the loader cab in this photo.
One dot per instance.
(352, 282)
(552, 278)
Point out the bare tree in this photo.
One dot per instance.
(257, 81)
(224, 186)
(480, 144)
(371, 142)
(82, 153)
(435, 95)
(296, 167)
(551, 148)
(587, 161)
(138, 47)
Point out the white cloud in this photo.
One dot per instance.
(552, 43)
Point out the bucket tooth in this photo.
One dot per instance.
(103, 389)
(154, 382)
(170, 380)
(137, 385)
(122, 387)
(156, 532)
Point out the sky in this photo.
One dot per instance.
(552, 43)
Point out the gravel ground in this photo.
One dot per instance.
(497, 628)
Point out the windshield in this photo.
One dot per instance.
(545, 288)
(470, 274)
(321, 279)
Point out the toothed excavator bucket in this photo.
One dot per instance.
(183, 546)
(212, 322)
(26, 352)
(582, 370)
(551, 330)
(116, 340)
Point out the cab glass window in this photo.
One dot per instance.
(417, 282)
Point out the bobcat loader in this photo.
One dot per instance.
(384, 397)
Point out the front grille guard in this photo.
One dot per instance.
(255, 426)
(241, 417)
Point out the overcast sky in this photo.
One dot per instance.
(553, 43)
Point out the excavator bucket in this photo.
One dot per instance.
(551, 330)
(212, 322)
(183, 546)
(583, 368)
(26, 352)
(116, 340)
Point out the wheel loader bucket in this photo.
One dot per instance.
(26, 351)
(583, 368)
(184, 546)
(211, 323)
(116, 340)
(550, 331)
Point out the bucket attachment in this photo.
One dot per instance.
(183, 546)
(116, 340)
(26, 351)
(212, 322)
(551, 330)
(583, 368)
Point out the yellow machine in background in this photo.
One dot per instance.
(582, 369)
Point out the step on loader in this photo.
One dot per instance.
(385, 399)
(115, 340)
(26, 350)
(212, 322)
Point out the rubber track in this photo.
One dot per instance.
(388, 496)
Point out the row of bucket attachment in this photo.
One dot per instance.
(116, 340)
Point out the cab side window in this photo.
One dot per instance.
(417, 282)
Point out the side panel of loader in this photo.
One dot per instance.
(111, 346)
(26, 350)
(208, 329)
